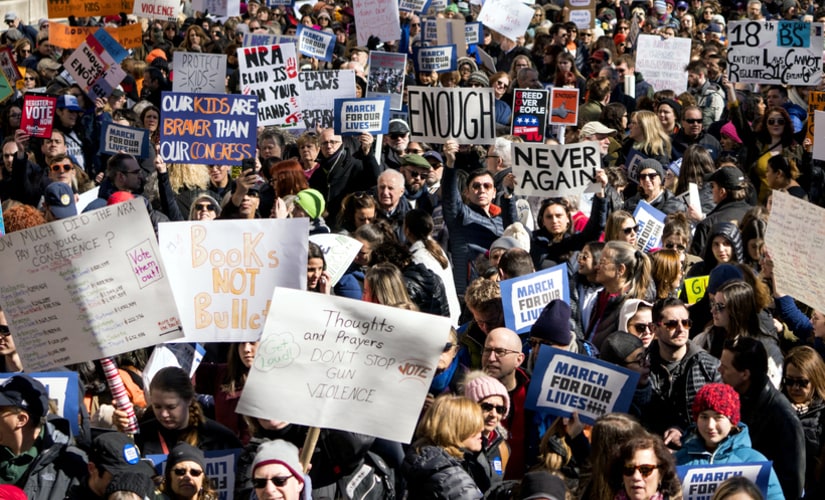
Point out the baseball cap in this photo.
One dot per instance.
(434, 155)
(398, 126)
(26, 393)
(593, 128)
(60, 199)
(728, 177)
(68, 102)
(10, 16)
(115, 452)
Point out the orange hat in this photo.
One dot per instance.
(154, 55)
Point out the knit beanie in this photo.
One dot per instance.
(652, 163)
(729, 131)
(478, 77)
(135, 482)
(279, 452)
(185, 452)
(618, 346)
(721, 274)
(312, 202)
(483, 386)
(720, 398)
(553, 324)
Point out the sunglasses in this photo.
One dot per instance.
(500, 409)
(648, 176)
(66, 167)
(205, 206)
(181, 471)
(632, 229)
(718, 307)
(641, 327)
(260, 482)
(671, 246)
(479, 185)
(673, 323)
(414, 174)
(645, 470)
(776, 121)
(4, 331)
(397, 136)
(798, 382)
(448, 346)
(693, 121)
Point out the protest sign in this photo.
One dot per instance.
(355, 116)
(122, 138)
(467, 115)
(62, 388)
(777, 52)
(581, 12)
(86, 287)
(564, 106)
(319, 89)
(429, 30)
(95, 65)
(271, 73)
(377, 18)
(417, 6)
(510, 19)
(700, 482)
(344, 364)
(69, 37)
(223, 273)
(818, 151)
(525, 297)
(339, 252)
(218, 8)
(386, 76)
(207, 128)
(185, 355)
(253, 39)
(440, 59)
(6, 88)
(66, 8)
(633, 164)
(662, 61)
(157, 9)
(555, 170)
(651, 223)
(38, 115)
(315, 43)
(199, 73)
(816, 102)
(87, 197)
(796, 240)
(219, 467)
(530, 114)
(451, 32)
(473, 33)
(9, 66)
(564, 383)
(695, 288)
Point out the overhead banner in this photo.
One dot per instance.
(315, 43)
(223, 272)
(467, 115)
(208, 129)
(86, 287)
(441, 59)
(700, 482)
(319, 89)
(510, 19)
(344, 364)
(95, 65)
(199, 73)
(68, 37)
(38, 115)
(564, 383)
(774, 52)
(662, 61)
(651, 225)
(525, 297)
(530, 114)
(122, 138)
(386, 76)
(555, 170)
(271, 73)
(63, 391)
(564, 106)
(356, 116)
(378, 18)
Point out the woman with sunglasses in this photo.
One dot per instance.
(185, 478)
(720, 437)
(644, 470)
(651, 189)
(621, 226)
(492, 397)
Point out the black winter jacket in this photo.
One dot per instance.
(57, 468)
(432, 473)
(426, 289)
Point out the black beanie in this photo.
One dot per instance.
(553, 324)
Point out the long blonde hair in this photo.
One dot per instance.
(656, 141)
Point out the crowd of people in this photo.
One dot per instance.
(735, 377)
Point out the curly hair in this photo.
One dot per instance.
(669, 484)
(188, 176)
(22, 217)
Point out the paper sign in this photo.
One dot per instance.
(38, 115)
(451, 32)
(701, 481)
(429, 30)
(440, 59)
(86, 287)
(87, 197)
(6, 89)
(386, 76)
(95, 69)
(253, 39)
(207, 128)
(564, 106)
(555, 170)
(355, 116)
(185, 355)
(223, 272)
(662, 61)
(796, 240)
(344, 364)
(271, 73)
(377, 18)
(695, 288)
(63, 391)
(530, 114)
(156, 9)
(816, 102)
(525, 297)
(199, 73)
(778, 52)
(581, 13)
(218, 8)
(69, 37)
(315, 43)
(9, 66)
(818, 151)
(319, 89)
(417, 6)
(438, 114)
(66, 8)
(651, 225)
(633, 164)
(220, 467)
(122, 138)
(339, 252)
(473, 33)
(511, 19)
(564, 383)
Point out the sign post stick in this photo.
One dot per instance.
(309, 447)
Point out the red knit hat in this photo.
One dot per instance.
(720, 398)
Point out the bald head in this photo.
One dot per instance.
(502, 355)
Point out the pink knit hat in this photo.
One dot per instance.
(730, 131)
(483, 386)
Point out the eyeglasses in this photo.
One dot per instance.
(486, 186)
(718, 307)
(182, 471)
(631, 229)
(650, 176)
(673, 323)
(487, 407)
(4, 331)
(645, 470)
(798, 382)
(671, 246)
(500, 352)
(205, 206)
(66, 167)
(693, 121)
(776, 121)
(260, 482)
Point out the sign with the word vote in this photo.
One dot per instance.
(38, 115)
(525, 297)
(356, 116)
(555, 170)
(564, 383)
(270, 72)
(467, 115)
(700, 482)
(344, 364)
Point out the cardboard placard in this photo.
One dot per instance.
(319, 89)
(530, 114)
(271, 73)
(441, 59)
(199, 73)
(466, 115)
(555, 170)
(38, 115)
(315, 43)
(564, 106)
(377, 18)
(157, 9)
(525, 297)
(510, 19)
(651, 225)
(356, 116)
(662, 61)
(116, 138)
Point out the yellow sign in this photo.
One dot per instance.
(695, 288)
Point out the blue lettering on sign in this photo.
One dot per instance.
(793, 34)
